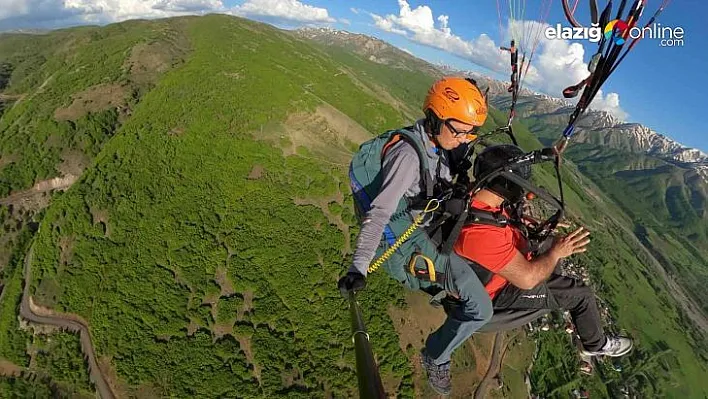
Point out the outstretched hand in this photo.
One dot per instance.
(573, 243)
(351, 281)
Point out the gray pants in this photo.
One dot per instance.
(559, 292)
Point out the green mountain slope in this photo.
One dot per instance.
(665, 201)
(170, 206)
(204, 238)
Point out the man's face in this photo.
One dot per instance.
(453, 133)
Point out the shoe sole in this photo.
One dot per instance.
(631, 346)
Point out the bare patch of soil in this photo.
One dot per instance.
(176, 132)
(247, 305)
(66, 246)
(211, 299)
(391, 384)
(343, 124)
(289, 377)
(38, 329)
(37, 197)
(481, 345)
(234, 75)
(192, 327)
(221, 329)
(101, 216)
(328, 133)
(148, 60)
(245, 343)
(73, 163)
(222, 278)
(411, 327)
(57, 183)
(464, 380)
(8, 159)
(256, 172)
(9, 369)
(10, 97)
(94, 99)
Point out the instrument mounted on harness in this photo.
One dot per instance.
(446, 229)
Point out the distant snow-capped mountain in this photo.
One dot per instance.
(639, 138)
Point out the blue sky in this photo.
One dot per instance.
(656, 86)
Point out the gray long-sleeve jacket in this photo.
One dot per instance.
(401, 177)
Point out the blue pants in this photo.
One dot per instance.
(465, 315)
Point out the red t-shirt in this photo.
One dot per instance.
(491, 247)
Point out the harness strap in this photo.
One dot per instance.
(454, 233)
(484, 274)
(425, 178)
(428, 273)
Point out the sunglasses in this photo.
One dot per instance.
(471, 134)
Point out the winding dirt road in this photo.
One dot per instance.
(58, 183)
(28, 312)
(494, 366)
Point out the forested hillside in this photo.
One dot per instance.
(209, 217)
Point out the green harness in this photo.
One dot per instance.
(416, 263)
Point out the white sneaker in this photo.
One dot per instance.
(614, 347)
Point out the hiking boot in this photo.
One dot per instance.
(438, 376)
(614, 347)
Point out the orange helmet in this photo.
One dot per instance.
(456, 98)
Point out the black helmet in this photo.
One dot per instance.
(494, 157)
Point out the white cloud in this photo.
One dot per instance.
(55, 13)
(557, 63)
(418, 24)
(388, 26)
(292, 10)
(187, 5)
(609, 103)
(354, 10)
(119, 10)
(345, 21)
